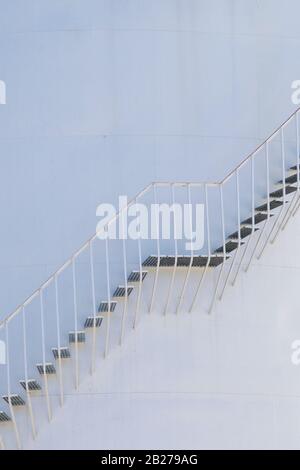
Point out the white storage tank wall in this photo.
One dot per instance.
(196, 381)
(105, 96)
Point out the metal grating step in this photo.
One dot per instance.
(290, 179)
(215, 261)
(245, 232)
(294, 168)
(92, 322)
(152, 261)
(104, 307)
(49, 369)
(4, 418)
(15, 400)
(165, 261)
(258, 218)
(32, 385)
(80, 337)
(62, 353)
(273, 205)
(230, 246)
(135, 276)
(121, 291)
(279, 192)
(184, 261)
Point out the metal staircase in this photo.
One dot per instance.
(274, 199)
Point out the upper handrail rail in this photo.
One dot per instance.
(140, 194)
(248, 158)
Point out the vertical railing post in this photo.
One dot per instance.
(224, 249)
(75, 322)
(188, 273)
(268, 203)
(156, 212)
(60, 374)
(294, 206)
(28, 396)
(108, 294)
(275, 228)
(268, 207)
(202, 277)
(298, 150)
(268, 180)
(124, 314)
(253, 231)
(171, 285)
(283, 165)
(237, 251)
(138, 302)
(11, 408)
(91, 253)
(297, 205)
(43, 338)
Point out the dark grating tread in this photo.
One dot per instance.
(121, 291)
(258, 218)
(15, 400)
(164, 261)
(93, 322)
(105, 307)
(49, 369)
(151, 261)
(201, 261)
(294, 168)
(245, 232)
(184, 261)
(62, 353)
(80, 337)
(4, 418)
(290, 179)
(32, 385)
(279, 192)
(230, 246)
(135, 276)
(273, 205)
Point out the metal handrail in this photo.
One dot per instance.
(9, 317)
(240, 165)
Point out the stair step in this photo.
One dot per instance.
(279, 192)
(32, 385)
(165, 261)
(4, 418)
(80, 337)
(184, 261)
(63, 353)
(230, 246)
(294, 168)
(121, 291)
(104, 307)
(273, 205)
(135, 276)
(258, 218)
(215, 261)
(92, 322)
(245, 232)
(15, 400)
(49, 369)
(290, 179)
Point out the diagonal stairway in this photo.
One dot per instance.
(264, 222)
